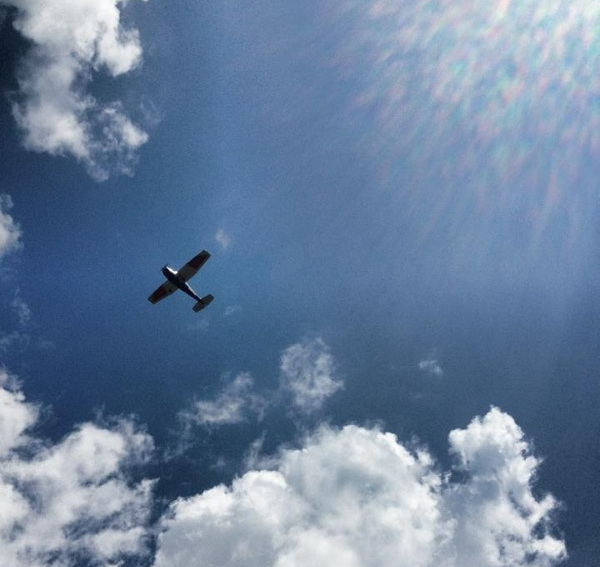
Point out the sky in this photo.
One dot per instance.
(400, 366)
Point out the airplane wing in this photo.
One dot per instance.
(190, 269)
(163, 291)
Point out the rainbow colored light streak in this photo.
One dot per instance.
(496, 104)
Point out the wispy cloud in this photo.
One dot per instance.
(21, 309)
(223, 239)
(431, 366)
(72, 40)
(308, 374)
(233, 405)
(360, 498)
(70, 502)
(10, 232)
(231, 310)
(15, 313)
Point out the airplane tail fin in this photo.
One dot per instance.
(203, 303)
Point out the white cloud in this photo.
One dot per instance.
(15, 416)
(72, 40)
(71, 501)
(10, 232)
(357, 497)
(432, 367)
(21, 309)
(17, 309)
(223, 239)
(201, 324)
(500, 520)
(307, 372)
(233, 405)
(9, 340)
(231, 310)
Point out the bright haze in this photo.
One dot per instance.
(400, 366)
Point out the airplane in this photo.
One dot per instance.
(178, 280)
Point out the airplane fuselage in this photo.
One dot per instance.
(172, 276)
(177, 279)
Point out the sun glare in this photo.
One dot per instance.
(500, 98)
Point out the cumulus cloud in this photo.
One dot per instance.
(354, 496)
(71, 502)
(308, 373)
(15, 416)
(71, 41)
(501, 522)
(10, 232)
(357, 497)
(232, 405)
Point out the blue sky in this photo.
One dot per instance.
(400, 364)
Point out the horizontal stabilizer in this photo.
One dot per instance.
(203, 303)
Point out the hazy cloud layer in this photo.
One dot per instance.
(69, 502)
(71, 41)
(308, 374)
(10, 233)
(358, 497)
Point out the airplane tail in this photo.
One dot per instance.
(203, 303)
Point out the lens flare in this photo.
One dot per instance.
(496, 104)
